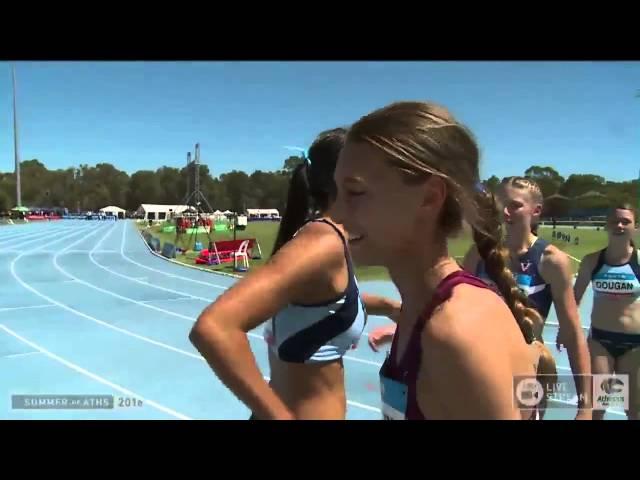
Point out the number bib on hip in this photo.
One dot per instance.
(394, 399)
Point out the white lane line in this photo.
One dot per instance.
(95, 320)
(175, 314)
(6, 240)
(35, 238)
(121, 330)
(11, 309)
(126, 332)
(167, 300)
(556, 324)
(95, 377)
(164, 310)
(22, 234)
(185, 265)
(192, 319)
(19, 355)
(187, 279)
(87, 251)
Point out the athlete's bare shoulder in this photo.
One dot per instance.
(590, 259)
(554, 258)
(315, 248)
(454, 321)
(556, 268)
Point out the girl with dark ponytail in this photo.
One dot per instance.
(311, 189)
(306, 296)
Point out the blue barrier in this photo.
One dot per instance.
(154, 243)
(169, 250)
(89, 217)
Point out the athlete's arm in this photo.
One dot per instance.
(377, 305)
(584, 276)
(383, 306)
(471, 380)
(556, 271)
(220, 333)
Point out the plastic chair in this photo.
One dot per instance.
(242, 254)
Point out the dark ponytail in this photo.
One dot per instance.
(311, 189)
(298, 208)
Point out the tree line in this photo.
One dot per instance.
(578, 194)
(88, 187)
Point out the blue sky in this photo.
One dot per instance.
(579, 117)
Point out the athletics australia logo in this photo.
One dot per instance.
(610, 391)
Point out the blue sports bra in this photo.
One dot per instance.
(322, 332)
(616, 280)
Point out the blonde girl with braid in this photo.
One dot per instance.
(459, 346)
(543, 273)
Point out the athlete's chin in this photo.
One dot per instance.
(361, 255)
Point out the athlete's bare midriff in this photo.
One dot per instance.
(313, 391)
(616, 314)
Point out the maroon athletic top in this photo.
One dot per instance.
(398, 379)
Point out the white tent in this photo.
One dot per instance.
(263, 214)
(150, 211)
(115, 211)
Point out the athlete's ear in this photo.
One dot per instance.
(537, 210)
(434, 192)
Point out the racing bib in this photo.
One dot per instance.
(394, 399)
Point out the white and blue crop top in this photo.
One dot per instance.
(616, 280)
(322, 332)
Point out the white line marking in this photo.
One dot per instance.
(33, 230)
(116, 295)
(177, 292)
(95, 377)
(10, 309)
(556, 324)
(93, 319)
(17, 355)
(126, 332)
(121, 330)
(87, 251)
(175, 314)
(166, 300)
(6, 240)
(160, 271)
(364, 406)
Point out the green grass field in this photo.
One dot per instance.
(590, 240)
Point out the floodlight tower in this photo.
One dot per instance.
(16, 149)
(196, 195)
